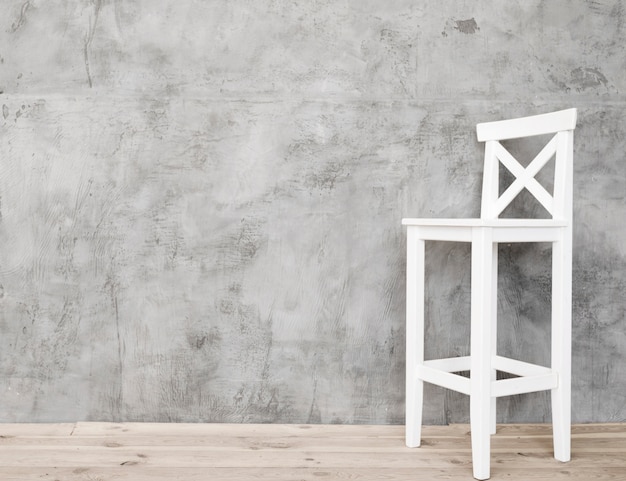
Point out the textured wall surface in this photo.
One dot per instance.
(200, 202)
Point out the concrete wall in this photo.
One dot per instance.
(201, 202)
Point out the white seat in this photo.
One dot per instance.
(484, 234)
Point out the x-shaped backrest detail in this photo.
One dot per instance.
(525, 177)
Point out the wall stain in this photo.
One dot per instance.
(556, 80)
(113, 290)
(208, 340)
(241, 244)
(587, 78)
(327, 177)
(468, 27)
(22, 18)
(315, 415)
(93, 22)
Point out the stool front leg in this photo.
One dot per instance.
(481, 350)
(414, 336)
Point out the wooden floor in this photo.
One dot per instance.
(227, 452)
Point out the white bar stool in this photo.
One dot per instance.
(484, 234)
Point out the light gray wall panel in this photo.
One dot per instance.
(188, 260)
(200, 203)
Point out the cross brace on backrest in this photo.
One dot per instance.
(524, 177)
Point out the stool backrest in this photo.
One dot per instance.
(561, 124)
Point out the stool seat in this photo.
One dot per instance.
(485, 222)
(484, 235)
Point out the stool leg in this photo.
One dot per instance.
(414, 336)
(494, 328)
(481, 350)
(562, 346)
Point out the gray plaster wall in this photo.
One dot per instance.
(201, 200)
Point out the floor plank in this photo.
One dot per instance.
(142, 451)
(301, 474)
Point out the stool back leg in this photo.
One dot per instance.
(494, 327)
(561, 345)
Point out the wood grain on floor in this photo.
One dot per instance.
(233, 452)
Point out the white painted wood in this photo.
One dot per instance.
(562, 303)
(494, 330)
(563, 176)
(485, 234)
(509, 232)
(525, 178)
(480, 351)
(522, 385)
(561, 345)
(519, 368)
(444, 379)
(443, 232)
(520, 223)
(434, 222)
(527, 234)
(450, 364)
(414, 335)
(491, 184)
(527, 126)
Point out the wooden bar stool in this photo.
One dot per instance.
(484, 234)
